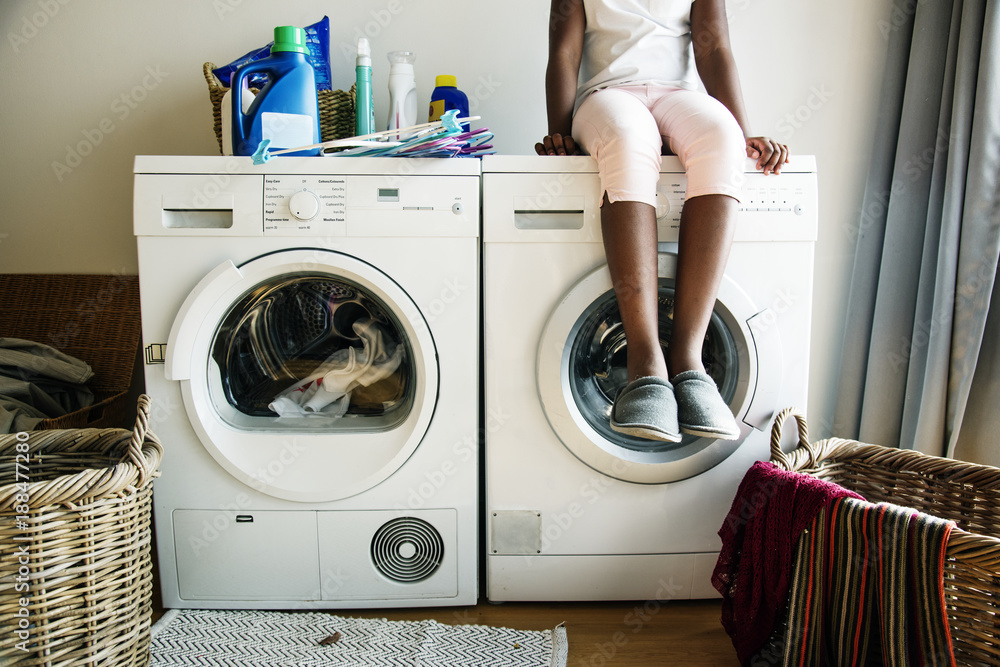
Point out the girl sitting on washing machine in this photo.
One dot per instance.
(622, 83)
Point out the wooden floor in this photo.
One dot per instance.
(646, 634)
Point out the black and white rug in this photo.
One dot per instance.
(268, 638)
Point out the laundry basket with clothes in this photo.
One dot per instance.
(39, 382)
(93, 319)
(840, 552)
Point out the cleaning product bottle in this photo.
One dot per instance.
(226, 112)
(447, 96)
(364, 108)
(402, 90)
(286, 111)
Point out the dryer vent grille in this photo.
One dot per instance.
(407, 549)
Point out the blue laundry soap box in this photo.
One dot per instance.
(286, 111)
(447, 96)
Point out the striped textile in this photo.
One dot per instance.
(868, 581)
(754, 570)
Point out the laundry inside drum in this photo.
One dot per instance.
(598, 367)
(304, 348)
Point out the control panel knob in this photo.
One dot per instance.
(304, 205)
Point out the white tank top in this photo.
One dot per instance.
(636, 42)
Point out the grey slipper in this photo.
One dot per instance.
(645, 408)
(700, 409)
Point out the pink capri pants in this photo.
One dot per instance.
(624, 128)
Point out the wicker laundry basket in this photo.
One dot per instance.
(966, 493)
(92, 317)
(75, 565)
(336, 108)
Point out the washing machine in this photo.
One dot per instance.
(574, 510)
(311, 336)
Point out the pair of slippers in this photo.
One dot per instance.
(657, 409)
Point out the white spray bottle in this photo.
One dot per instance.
(402, 90)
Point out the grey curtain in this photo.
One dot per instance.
(921, 338)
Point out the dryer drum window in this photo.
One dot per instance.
(597, 368)
(312, 351)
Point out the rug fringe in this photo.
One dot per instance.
(560, 646)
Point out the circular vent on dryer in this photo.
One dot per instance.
(407, 549)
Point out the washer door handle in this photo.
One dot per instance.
(770, 369)
(192, 316)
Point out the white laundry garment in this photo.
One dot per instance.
(327, 391)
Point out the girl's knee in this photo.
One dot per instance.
(725, 140)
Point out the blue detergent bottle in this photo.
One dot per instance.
(286, 111)
(447, 96)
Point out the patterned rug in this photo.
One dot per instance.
(272, 639)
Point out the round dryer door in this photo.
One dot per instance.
(581, 368)
(309, 375)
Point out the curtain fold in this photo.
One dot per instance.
(976, 418)
(927, 242)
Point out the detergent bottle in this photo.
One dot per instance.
(402, 90)
(447, 96)
(364, 109)
(286, 111)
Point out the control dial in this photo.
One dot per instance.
(304, 205)
(662, 205)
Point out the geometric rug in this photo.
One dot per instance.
(281, 639)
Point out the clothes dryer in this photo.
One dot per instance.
(574, 510)
(311, 331)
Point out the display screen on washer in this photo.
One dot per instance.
(598, 362)
(311, 351)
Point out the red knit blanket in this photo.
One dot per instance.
(754, 569)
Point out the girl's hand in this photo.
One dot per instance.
(770, 155)
(557, 144)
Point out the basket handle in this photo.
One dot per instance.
(139, 432)
(779, 457)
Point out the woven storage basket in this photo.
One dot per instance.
(336, 108)
(94, 318)
(75, 567)
(966, 493)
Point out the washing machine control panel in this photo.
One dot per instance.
(771, 207)
(304, 203)
(369, 205)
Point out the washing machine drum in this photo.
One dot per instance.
(598, 368)
(284, 331)
(581, 368)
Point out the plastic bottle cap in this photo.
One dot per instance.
(289, 38)
(401, 57)
(364, 58)
(446, 80)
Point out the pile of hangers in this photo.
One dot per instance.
(443, 138)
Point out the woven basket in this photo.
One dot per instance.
(78, 503)
(336, 108)
(966, 493)
(92, 317)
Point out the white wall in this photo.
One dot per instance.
(86, 86)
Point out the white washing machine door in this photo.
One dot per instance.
(308, 374)
(581, 367)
